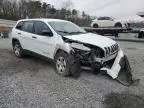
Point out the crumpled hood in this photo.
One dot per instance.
(93, 39)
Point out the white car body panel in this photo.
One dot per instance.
(20, 35)
(104, 23)
(44, 45)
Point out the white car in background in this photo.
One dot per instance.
(107, 22)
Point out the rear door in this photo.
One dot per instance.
(105, 22)
(109, 22)
(26, 34)
(101, 22)
(18, 33)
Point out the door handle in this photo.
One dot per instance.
(34, 37)
(19, 33)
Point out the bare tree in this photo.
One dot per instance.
(75, 13)
(67, 5)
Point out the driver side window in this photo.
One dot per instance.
(40, 27)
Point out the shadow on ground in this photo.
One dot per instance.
(123, 100)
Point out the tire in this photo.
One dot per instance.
(141, 34)
(118, 25)
(95, 26)
(95, 69)
(18, 49)
(66, 65)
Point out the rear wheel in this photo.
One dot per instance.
(118, 25)
(18, 49)
(95, 26)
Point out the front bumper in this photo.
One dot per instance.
(120, 70)
(114, 70)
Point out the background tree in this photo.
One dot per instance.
(67, 5)
(75, 12)
(20, 9)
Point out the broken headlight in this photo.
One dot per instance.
(81, 51)
(78, 46)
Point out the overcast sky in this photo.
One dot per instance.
(115, 8)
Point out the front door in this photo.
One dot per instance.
(44, 42)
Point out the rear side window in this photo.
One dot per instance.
(28, 26)
(108, 18)
(19, 25)
(39, 27)
(101, 18)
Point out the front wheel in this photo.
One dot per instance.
(66, 64)
(61, 64)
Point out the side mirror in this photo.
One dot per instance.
(19, 27)
(47, 33)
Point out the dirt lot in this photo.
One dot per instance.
(32, 83)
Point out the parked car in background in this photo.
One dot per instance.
(4, 35)
(107, 22)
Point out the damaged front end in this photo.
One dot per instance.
(110, 60)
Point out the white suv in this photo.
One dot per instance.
(68, 45)
(107, 22)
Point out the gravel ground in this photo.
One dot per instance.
(32, 83)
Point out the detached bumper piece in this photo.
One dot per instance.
(120, 70)
(125, 75)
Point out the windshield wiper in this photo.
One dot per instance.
(64, 32)
(72, 33)
(77, 32)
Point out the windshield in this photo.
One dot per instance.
(66, 28)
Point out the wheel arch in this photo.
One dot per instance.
(14, 40)
(118, 23)
(65, 48)
(95, 24)
(60, 50)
